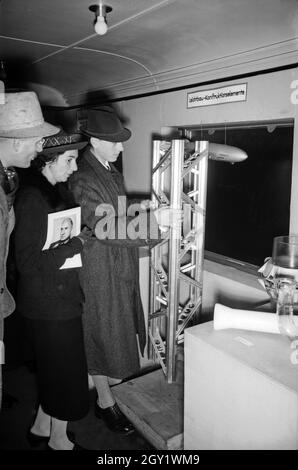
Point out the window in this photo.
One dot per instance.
(248, 203)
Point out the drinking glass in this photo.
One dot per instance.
(285, 255)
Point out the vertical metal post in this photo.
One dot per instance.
(155, 255)
(177, 167)
(200, 182)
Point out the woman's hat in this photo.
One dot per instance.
(103, 123)
(62, 142)
(21, 117)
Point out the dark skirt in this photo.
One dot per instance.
(110, 335)
(61, 368)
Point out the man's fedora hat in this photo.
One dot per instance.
(62, 142)
(103, 123)
(21, 117)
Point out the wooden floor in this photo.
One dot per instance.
(155, 407)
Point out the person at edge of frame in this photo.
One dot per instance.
(22, 132)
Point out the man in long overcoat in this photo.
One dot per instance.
(113, 315)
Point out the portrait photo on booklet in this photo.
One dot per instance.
(62, 226)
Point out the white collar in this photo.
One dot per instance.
(105, 163)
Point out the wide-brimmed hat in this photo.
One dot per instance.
(103, 123)
(21, 117)
(62, 142)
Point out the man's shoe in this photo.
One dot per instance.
(114, 419)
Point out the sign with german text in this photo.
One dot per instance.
(227, 94)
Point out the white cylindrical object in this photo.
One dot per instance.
(226, 317)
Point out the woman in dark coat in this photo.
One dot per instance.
(51, 299)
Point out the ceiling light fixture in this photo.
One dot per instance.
(100, 10)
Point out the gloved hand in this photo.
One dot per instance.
(148, 204)
(168, 216)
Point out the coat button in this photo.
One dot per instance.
(1, 290)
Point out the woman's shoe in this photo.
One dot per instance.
(71, 436)
(35, 439)
(114, 419)
(78, 447)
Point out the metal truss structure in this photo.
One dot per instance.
(179, 180)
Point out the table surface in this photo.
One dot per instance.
(269, 354)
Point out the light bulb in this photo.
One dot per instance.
(100, 26)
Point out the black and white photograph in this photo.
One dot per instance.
(149, 230)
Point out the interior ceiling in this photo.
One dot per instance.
(151, 45)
